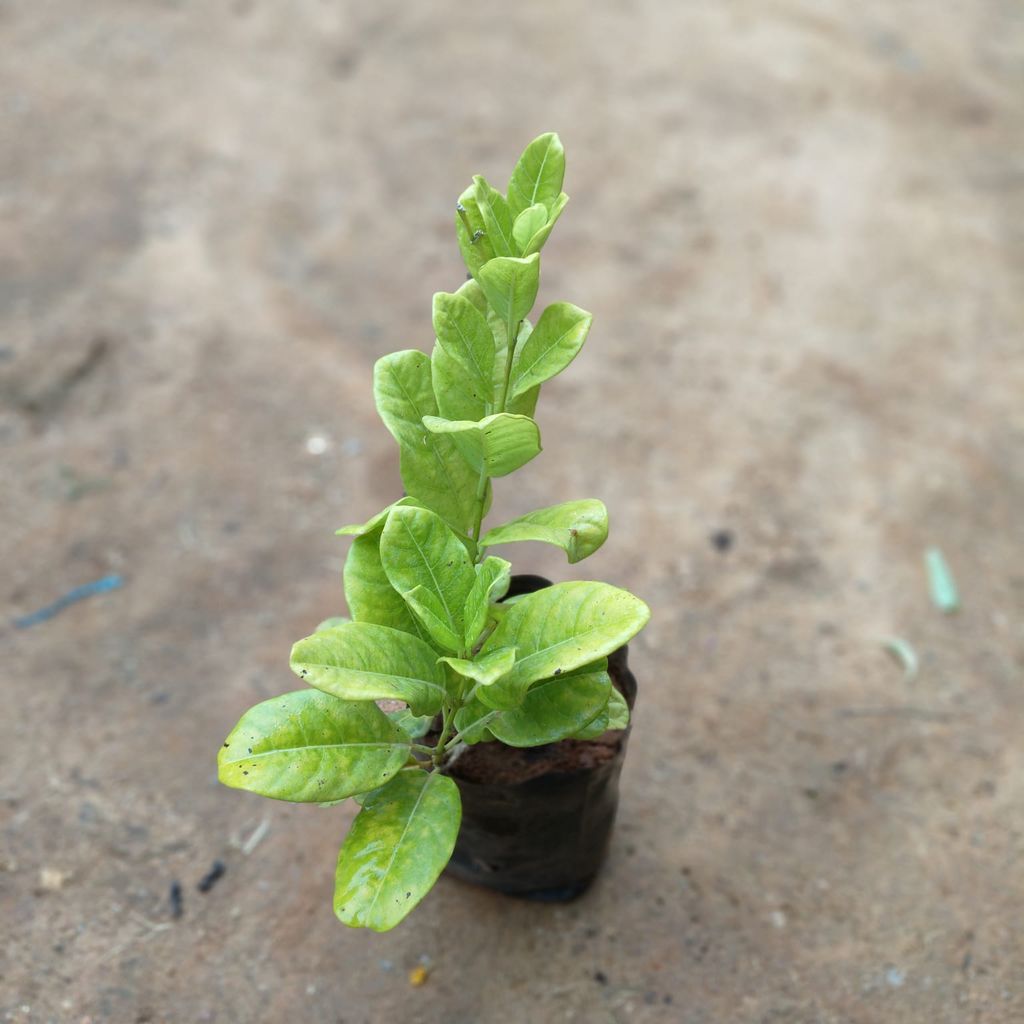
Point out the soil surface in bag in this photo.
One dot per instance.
(536, 820)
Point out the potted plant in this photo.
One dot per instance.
(458, 693)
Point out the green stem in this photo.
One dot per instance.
(447, 724)
(512, 333)
(481, 491)
(457, 738)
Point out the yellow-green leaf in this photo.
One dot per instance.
(364, 662)
(310, 747)
(399, 843)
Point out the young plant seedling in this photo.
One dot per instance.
(427, 625)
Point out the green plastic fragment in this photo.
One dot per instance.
(940, 582)
(905, 654)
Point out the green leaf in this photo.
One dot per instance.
(537, 242)
(374, 523)
(310, 747)
(496, 445)
(472, 291)
(474, 242)
(334, 620)
(414, 727)
(427, 607)
(472, 720)
(558, 629)
(496, 216)
(369, 593)
(553, 710)
(487, 669)
(591, 731)
(551, 347)
(578, 527)
(432, 469)
(490, 585)
(363, 661)
(464, 335)
(614, 715)
(457, 397)
(510, 285)
(618, 711)
(527, 224)
(398, 845)
(538, 175)
(431, 568)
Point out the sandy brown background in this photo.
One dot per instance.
(799, 226)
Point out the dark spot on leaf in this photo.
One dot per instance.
(408, 894)
(227, 744)
(245, 773)
(558, 671)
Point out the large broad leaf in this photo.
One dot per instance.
(551, 347)
(486, 669)
(471, 232)
(431, 568)
(553, 710)
(496, 445)
(398, 845)
(311, 747)
(362, 661)
(578, 527)
(510, 285)
(538, 175)
(541, 236)
(457, 397)
(464, 335)
(369, 593)
(558, 629)
(496, 217)
(432, 469)
(528, 224)
(492, 580)
(421, 478)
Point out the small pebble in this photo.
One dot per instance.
(722, 540)
(210, 879)
(177, 900)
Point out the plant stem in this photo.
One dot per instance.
(512, 333)
(457, 738)
(447, 724)
(481, 490)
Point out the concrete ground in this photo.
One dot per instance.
(798, 224)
